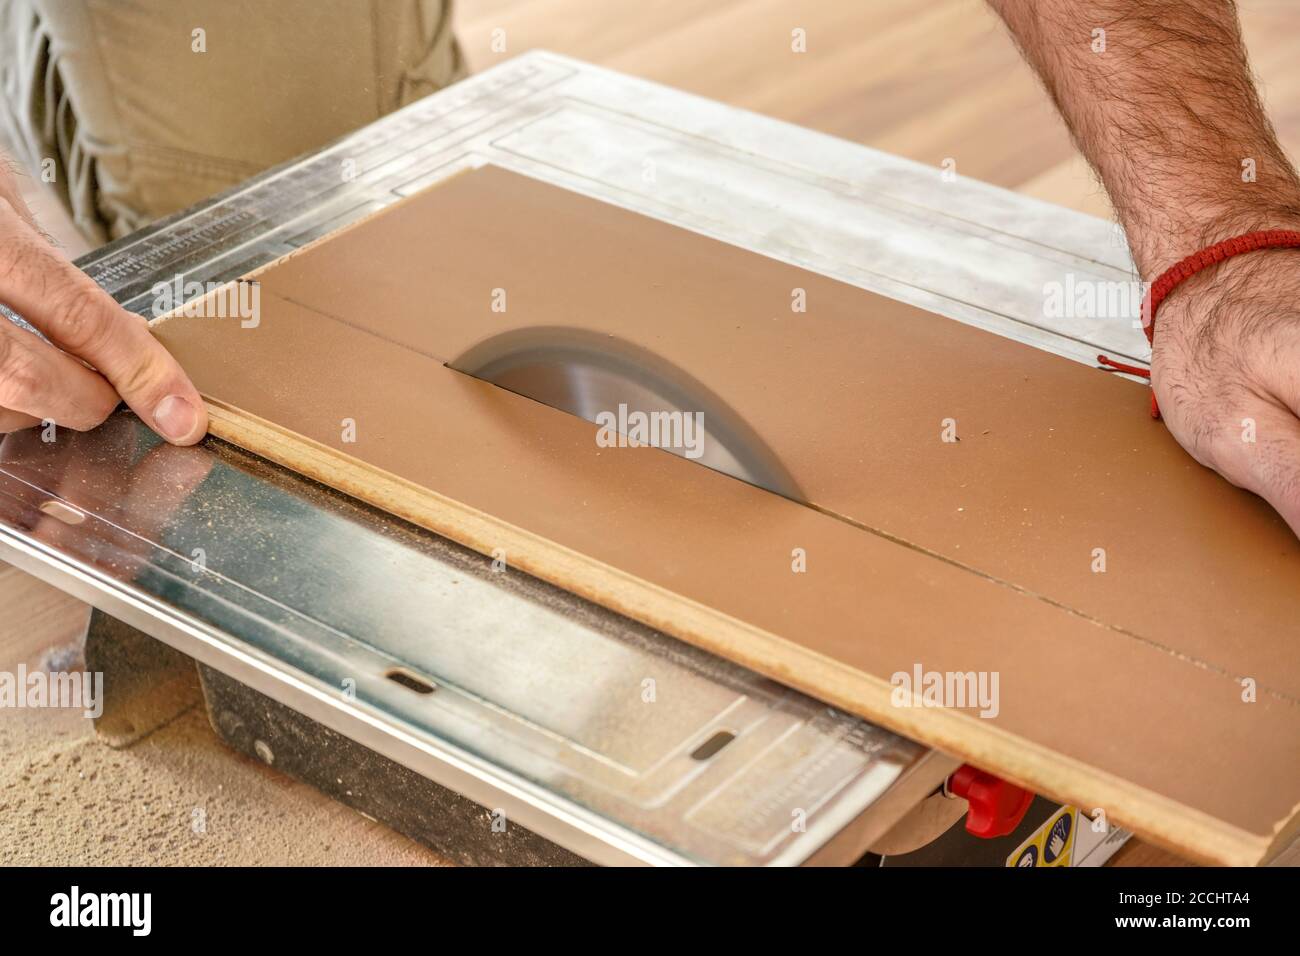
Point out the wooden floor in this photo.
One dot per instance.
(927, 79)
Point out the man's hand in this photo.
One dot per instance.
(1226, 370)
(1159, 97)
(102, 352)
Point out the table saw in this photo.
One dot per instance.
(495, 688)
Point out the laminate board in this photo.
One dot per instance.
(1119, 691)
(1052, 461)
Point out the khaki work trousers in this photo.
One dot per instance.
(133, 109)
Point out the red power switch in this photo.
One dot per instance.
(996, 807)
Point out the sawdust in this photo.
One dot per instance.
(177, 797)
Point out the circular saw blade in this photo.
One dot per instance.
(601, 378)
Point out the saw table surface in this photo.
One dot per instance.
(347, 593)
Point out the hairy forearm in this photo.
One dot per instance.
(1164, 107)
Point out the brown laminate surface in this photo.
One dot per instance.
(972, 555)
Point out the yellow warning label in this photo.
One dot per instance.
(1052, 844)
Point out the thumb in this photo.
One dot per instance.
(1265, 458)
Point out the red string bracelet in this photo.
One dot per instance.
(1212, 255)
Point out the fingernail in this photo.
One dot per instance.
(175, 418)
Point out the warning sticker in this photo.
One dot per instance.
(1052, 844)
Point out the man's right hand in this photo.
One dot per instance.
(100, 354)
(1226, 370)
(1160, 98)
